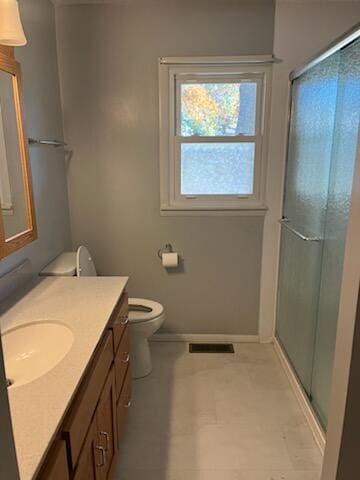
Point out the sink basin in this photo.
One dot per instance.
(34, 349)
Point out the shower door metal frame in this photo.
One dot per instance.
(341, 42)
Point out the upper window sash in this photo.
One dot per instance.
(219, 78)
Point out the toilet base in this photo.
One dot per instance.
(141, 364)
(140, 332)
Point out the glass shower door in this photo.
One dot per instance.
(314, 96)
(323, 143)
(345, 143)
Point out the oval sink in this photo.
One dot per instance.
(34, 349)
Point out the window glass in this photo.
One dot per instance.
(217, 168)
(217, 109)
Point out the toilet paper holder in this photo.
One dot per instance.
(167, 249)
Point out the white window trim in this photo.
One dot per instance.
(171, 203)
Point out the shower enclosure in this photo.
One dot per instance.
(322, 147)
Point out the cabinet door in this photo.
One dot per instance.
(83, 408)
(106, 425)
(56, 467)
(89, 457)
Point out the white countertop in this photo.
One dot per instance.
(83, 304)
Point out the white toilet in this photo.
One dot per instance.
(145, 316)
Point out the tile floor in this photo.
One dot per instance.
(216, 416)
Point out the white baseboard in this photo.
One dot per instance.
(205, 338)
(302, 398)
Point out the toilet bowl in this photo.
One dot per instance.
(145, 316)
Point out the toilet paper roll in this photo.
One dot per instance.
(170, 260)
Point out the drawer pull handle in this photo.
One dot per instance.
(126, 359)
(103, 456)
(107, 437)
(127, 405)
(124, 321)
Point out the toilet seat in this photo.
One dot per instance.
(138, 316)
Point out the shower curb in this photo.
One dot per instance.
(301, 397)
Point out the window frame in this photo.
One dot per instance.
(172, 73)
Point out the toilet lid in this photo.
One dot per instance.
(84, 265)
(141, 309)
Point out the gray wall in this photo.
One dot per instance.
(108, 70)
(43, 119)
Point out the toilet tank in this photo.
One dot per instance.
(63, 266)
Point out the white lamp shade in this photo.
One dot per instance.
(11, 30)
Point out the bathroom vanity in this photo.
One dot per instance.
(69, 422)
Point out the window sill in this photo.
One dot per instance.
(214, 212)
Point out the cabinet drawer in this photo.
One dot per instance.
(123, 405)
(78, 421)
(121, 320)
(56, 467)
(122, 361)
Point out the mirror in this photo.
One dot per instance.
(17, 220)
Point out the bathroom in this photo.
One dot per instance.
(95, 80)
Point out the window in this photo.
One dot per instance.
(212, 133)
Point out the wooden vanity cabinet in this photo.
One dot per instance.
(122, 406)
(89, 457)
(89, 435)
(100, 444)
(122, 360)
(120, 319)
(56, 467)
(106, 425)
(78, 420)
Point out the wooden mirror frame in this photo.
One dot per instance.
(10, 245)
